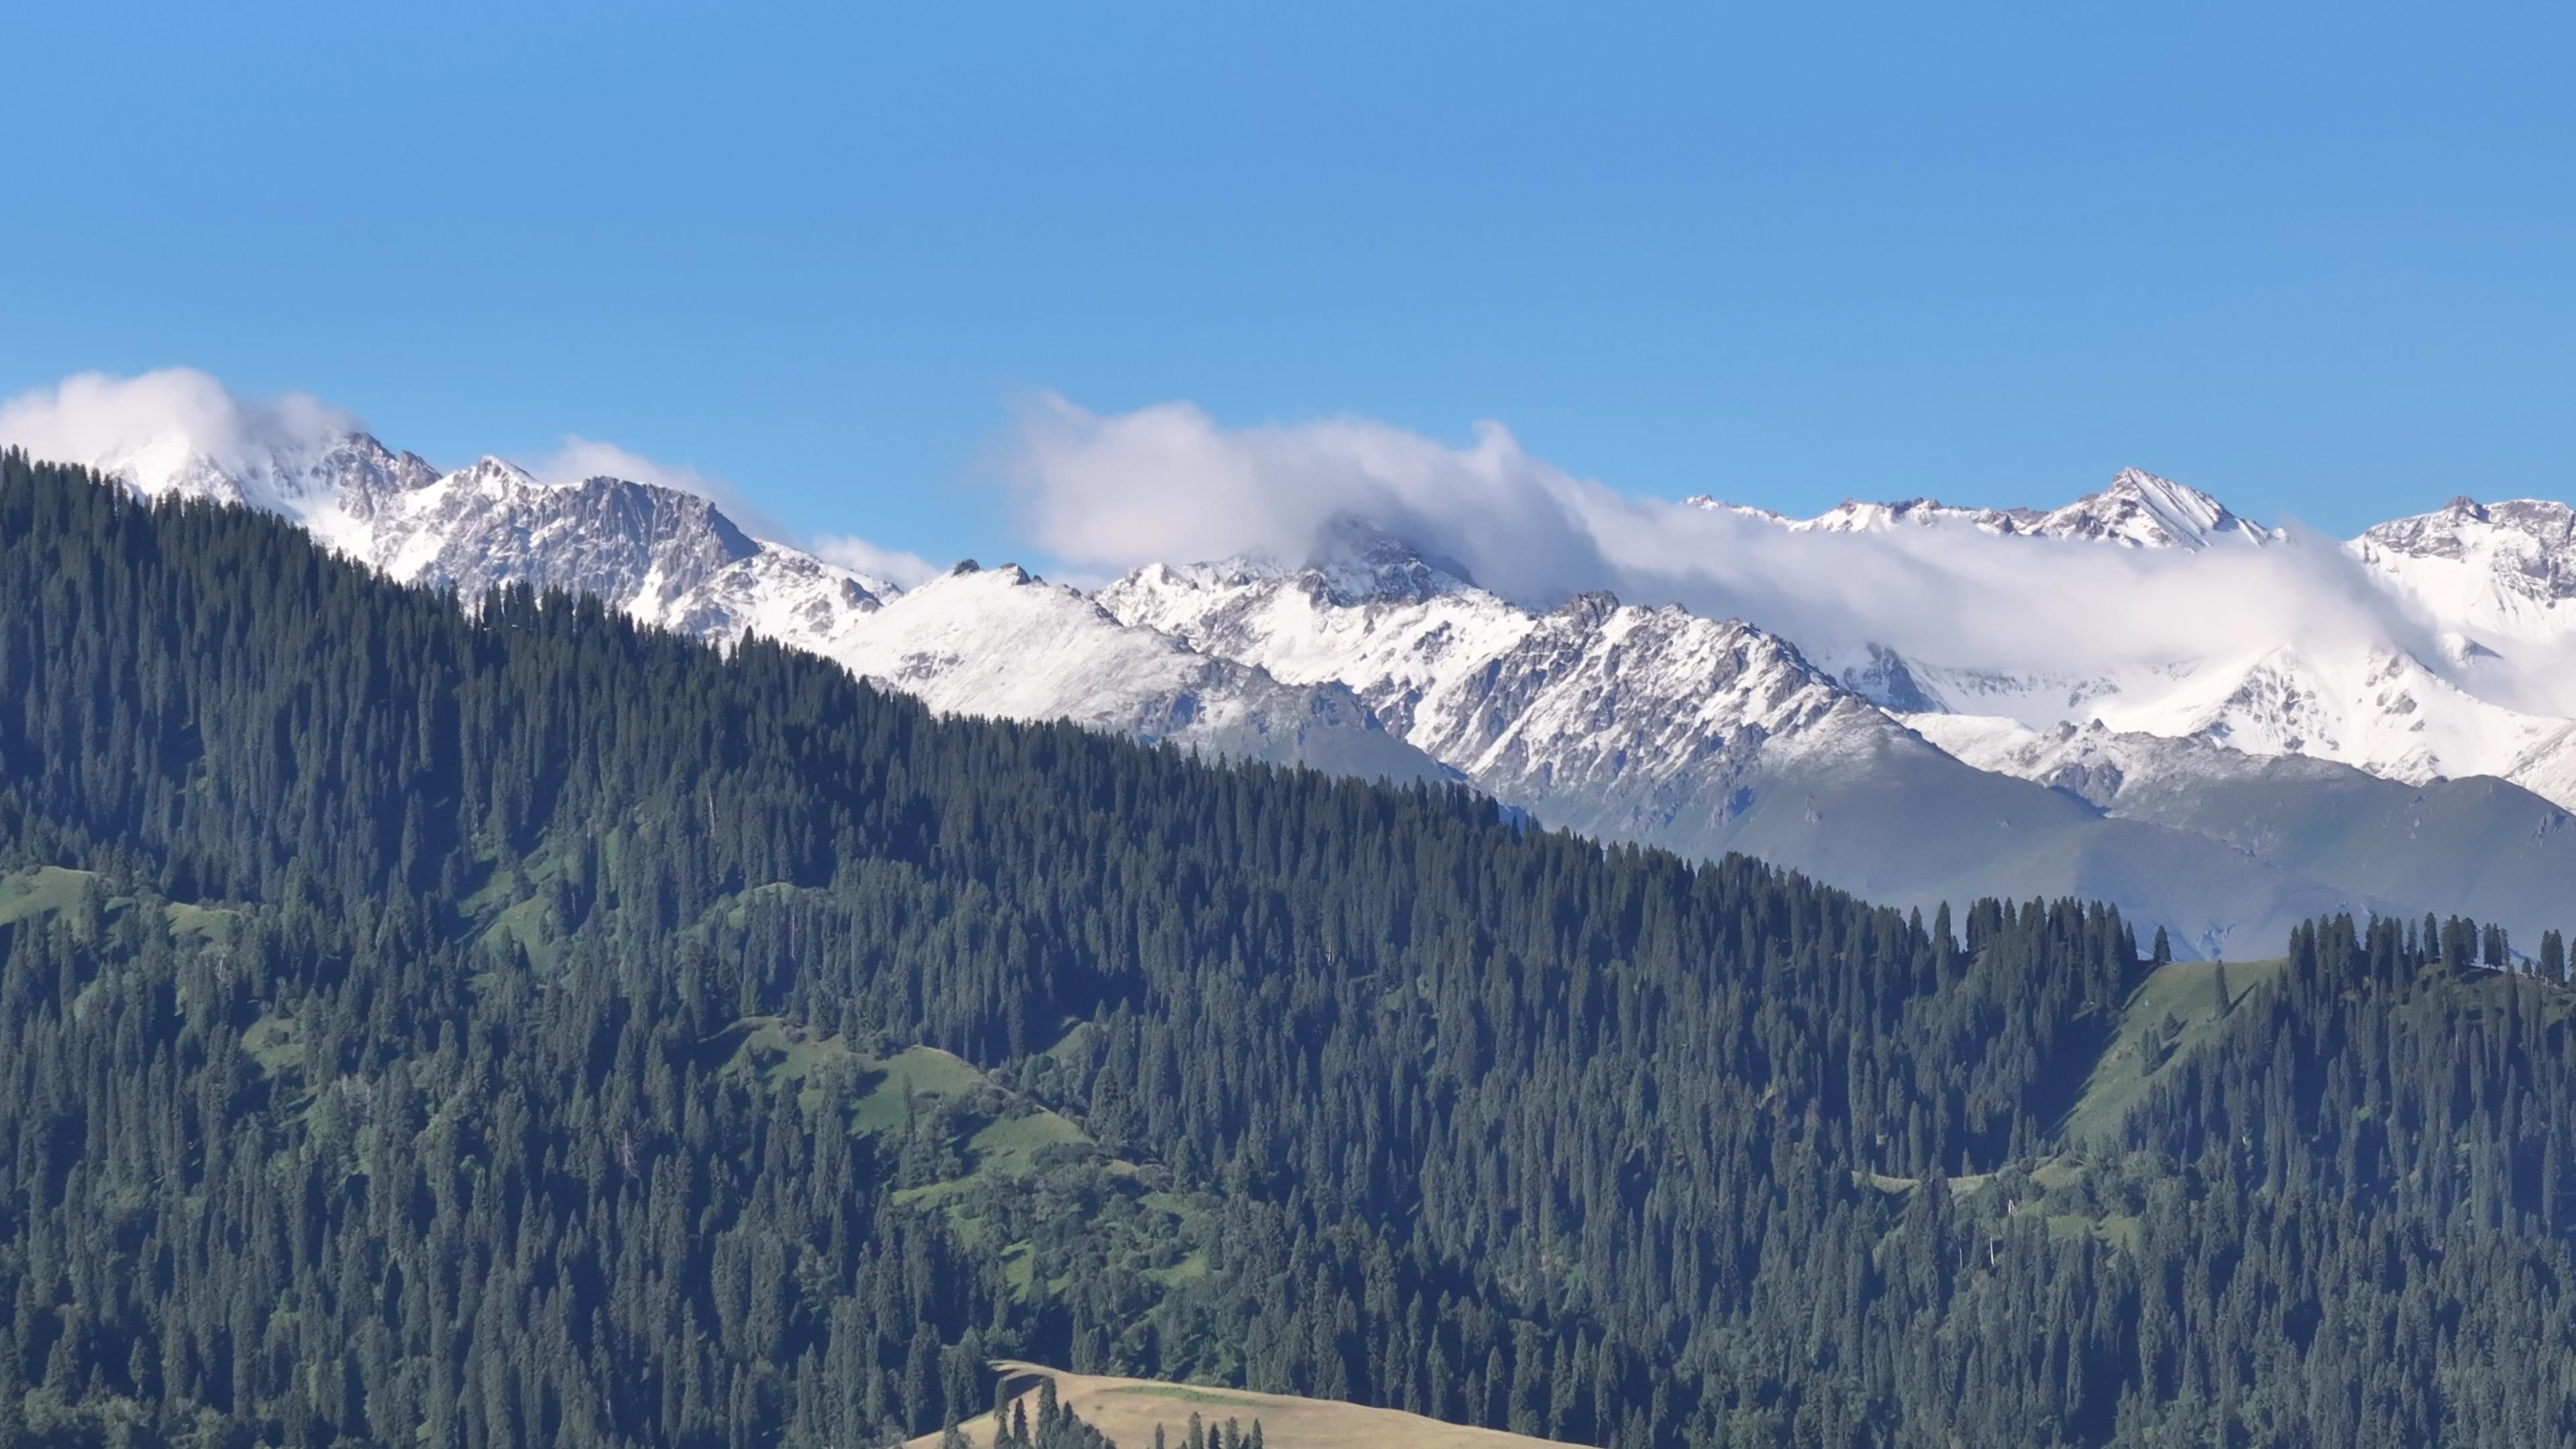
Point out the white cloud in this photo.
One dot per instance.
(97, 419)
(894, 565)
(1168, 483)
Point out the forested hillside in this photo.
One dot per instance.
(484, 1022)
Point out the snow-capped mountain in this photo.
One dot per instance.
(2137, 510)
(664, 556)
(1854, 515)
(2381, 710)
(2501, 571)
(2141, 510)
(2487, 692)
(1589, 701)
(1000, 643)
(1702, 735)
(2223, 794)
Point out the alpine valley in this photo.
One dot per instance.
(2223, 797)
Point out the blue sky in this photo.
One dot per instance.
(2320, 260)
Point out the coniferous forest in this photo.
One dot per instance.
(476, 1022)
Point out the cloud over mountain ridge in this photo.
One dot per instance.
(1378, 602)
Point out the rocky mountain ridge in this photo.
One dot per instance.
(2137, 510)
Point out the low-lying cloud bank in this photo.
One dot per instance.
(1169, 483)
(1166, 483)
(94, 416)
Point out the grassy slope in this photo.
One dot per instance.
(1128, 1409)
(51, 888)
(1004, 1143)
(37, 892)
(2185, 1003)
(1009, 1131)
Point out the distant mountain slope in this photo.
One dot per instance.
(999, 642)
(1701, 736)
(2482, 846)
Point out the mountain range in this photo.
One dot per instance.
(2222, 797)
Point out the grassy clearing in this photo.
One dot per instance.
(872, 1089)
(969, 1145)
(200, 924)
(2118, 1229)
(51, 888)
(1012, 1143)
(41, 891)
(272, 1041)
(1127, 1410)
(527, 925)
(2172, 1014)
(883, 1094)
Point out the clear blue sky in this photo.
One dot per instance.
(2319, 259)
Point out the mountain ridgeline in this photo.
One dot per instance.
(1651, 724)
(477, 1022)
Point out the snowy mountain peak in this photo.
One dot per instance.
(360, 452)
(2543, 519)
(2141, 510)
(2506, 570)
(1352, 563)
(664, 556)
(296, 477)
(1886, 678)
(1006, 576)
(489, 471)
(1357, 562)
(1854, 515)
(1591, 609)
(1711, 503)
(2138, 510)
(2530, 527)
